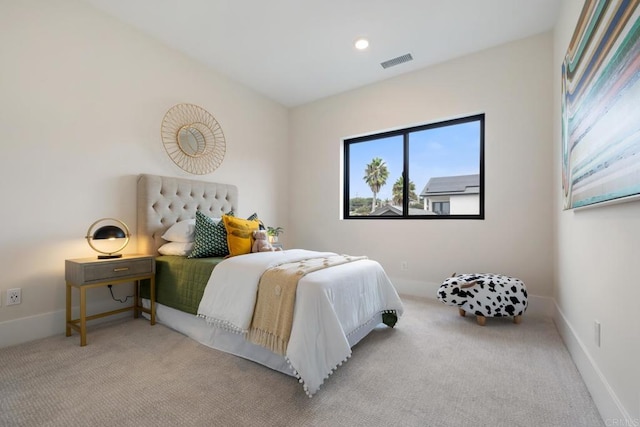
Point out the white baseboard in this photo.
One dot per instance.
(25, 329)
(31, 328)
(611, 409)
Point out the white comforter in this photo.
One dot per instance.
(330, 304)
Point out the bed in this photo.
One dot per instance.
(335, 306)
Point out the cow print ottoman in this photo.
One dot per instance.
(485, 295)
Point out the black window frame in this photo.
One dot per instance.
(405, 173)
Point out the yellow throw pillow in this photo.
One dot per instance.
(239, 234)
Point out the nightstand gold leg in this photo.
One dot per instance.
(136, 299)
(83, 316)
(152, 285)
(67, 327)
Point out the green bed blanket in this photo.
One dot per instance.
(180, 281)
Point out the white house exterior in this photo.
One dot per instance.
(452, 195)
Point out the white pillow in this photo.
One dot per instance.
(181, 231)
(176, 248)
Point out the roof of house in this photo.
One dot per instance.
(397, 210)
(459, 184)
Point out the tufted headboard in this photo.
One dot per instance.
(163, 201)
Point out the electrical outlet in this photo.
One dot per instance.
(596, 332)
(14, 296)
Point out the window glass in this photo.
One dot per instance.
(374, 166)
(445, 162)
(441, 162)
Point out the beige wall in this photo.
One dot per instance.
(82, 99)
(596, 250)
(512, 85)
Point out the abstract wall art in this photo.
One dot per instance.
(601, 105)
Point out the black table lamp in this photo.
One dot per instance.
(108, 232)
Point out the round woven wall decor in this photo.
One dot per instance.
(193, 139)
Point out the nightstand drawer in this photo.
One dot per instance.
(88, 271)
(117, 270)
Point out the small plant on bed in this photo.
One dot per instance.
(273, 233)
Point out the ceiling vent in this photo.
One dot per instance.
(395, 61)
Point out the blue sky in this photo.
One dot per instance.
(441, 151)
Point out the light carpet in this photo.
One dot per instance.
(433, 369)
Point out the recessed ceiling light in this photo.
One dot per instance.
(361, 44)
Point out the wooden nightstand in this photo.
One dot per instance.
(85, 273)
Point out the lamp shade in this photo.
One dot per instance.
(97, 231)
(109, 232)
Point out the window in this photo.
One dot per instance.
(441, 208)
(443, 164)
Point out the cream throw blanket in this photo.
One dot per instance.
(273, 314)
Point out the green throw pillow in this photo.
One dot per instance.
(210, 238)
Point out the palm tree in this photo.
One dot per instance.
(375, 175)
(397, 191)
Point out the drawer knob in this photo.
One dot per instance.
(121, 269)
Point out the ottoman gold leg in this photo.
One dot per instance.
(517, 320)
(481, 320)
(462, 312)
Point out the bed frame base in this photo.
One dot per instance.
(198, 329)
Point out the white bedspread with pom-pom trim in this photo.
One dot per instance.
(330, 304)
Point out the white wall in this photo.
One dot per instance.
(512, 85)
(82, 100)
(597, 250)
(465, 204)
